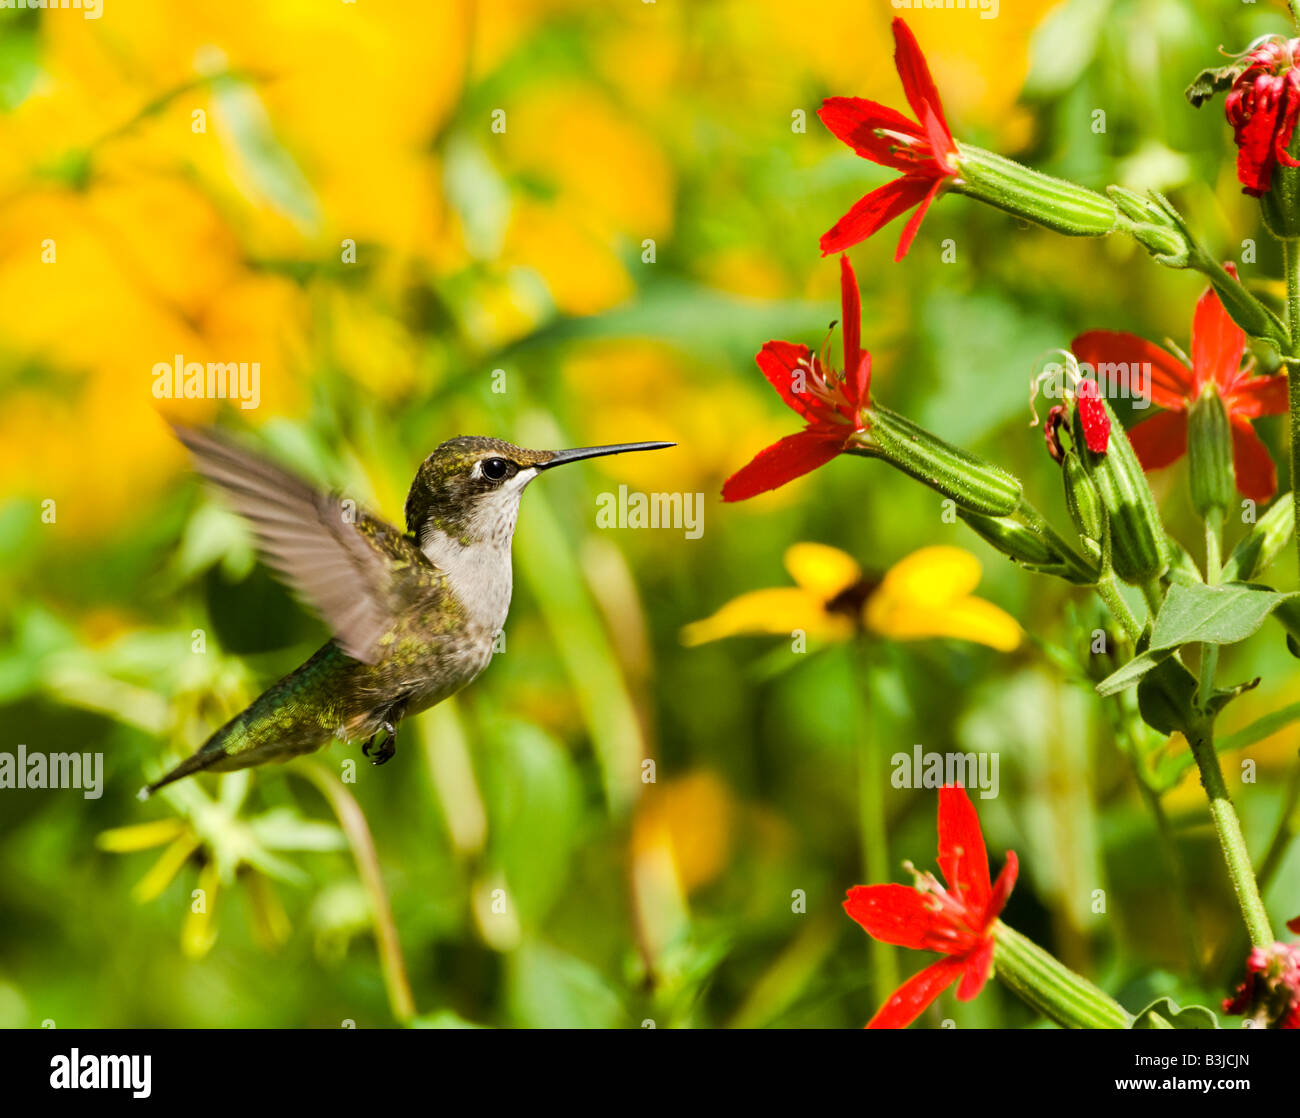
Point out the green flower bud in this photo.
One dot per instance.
(1209, 454)
(1030, 549)
(1082, 499)
(1252, 556)
(1137, 537)
(1154, 224)
(1063, 206)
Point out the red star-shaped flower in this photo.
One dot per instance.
(1262, 108)
(1218, 346)
(923, 149)
(829, 402)
(957, 921)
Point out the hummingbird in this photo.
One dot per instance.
(414, 614)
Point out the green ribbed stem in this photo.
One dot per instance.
(1042, 981)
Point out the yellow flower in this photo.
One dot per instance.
(927, 594)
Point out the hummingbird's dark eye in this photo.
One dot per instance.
(495, 469)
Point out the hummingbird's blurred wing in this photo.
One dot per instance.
(338, 558)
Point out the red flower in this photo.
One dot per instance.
(1270, 994)
(830, 403)
(1218, 345)
(923, 149)
(957, 921)
(1262, 107)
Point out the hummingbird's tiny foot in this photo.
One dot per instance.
(384, 751)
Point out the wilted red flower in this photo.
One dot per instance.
(1218, 346)
(957, 921)
(1271, 992)
(829, 402)
(1262, 108)
(923, 149)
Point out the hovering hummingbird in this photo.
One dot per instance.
(415, 614)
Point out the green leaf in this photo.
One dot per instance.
(1164, 1013)
(1261, 728)
(1133, 671)
(1198, 615)
(1167, 697)
(1212, 614)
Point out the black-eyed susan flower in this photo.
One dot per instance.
(927, 594)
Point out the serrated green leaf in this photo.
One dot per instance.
(1164, 1013)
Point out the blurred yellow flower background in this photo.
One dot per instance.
(183, 180)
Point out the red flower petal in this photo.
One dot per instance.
(786, 367)
(911, 999)
(1160, 440)
(874, 211)
(1171, 380)
(857, 121)
(978, 964)
(783, 461)
(1251, 397)
(1255, 146)
(915, 74)
(914, 222)
(896, 914)
(1218, 343)
(851, 314)
(962, 857)
(1256, 474)
(1002, 887)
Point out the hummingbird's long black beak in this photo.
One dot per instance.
(560, 457)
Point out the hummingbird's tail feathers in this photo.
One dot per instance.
(296, 715)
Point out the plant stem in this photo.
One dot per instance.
(1109, 593)
(1044, 982)
(357, 831)
(872, 823)
(1201, 740)
(1291, 264)
(1039, 523)
(1231, 840)
(1213, 567)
